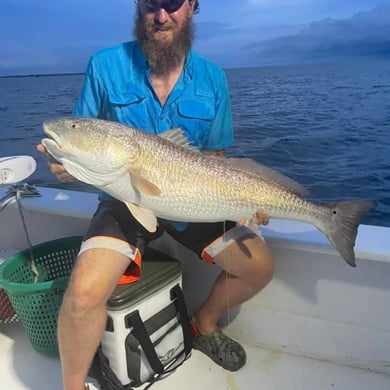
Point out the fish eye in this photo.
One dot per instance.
(74, 126)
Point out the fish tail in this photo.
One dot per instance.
(342, 227)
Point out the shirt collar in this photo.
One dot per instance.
(189, 67)
(140, 58)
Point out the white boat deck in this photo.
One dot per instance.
(24, 368)
(316, 306)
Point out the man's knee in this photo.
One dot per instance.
(267, 266)
(91, 282)
(262, 268)
(82, 295)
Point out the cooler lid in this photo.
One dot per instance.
(158, 270)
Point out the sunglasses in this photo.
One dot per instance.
(169, 6)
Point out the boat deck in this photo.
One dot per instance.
(314, 306)
(24, 368)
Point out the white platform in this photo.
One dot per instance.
(318, 317)
(23, 368)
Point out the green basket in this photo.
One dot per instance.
(37, 303)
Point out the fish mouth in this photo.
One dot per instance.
(53, 145)
(53, 136)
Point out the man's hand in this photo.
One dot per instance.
(217, 153)
(259, 218)
(55, 166)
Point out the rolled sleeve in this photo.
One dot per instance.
(89, 103)
(220, 134)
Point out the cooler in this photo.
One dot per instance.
(151, 293)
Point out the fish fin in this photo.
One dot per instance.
(177, 137)
(342, 227)
(253, 167)
(144, 186)
(145, 217)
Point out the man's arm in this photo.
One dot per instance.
(217, 153)
(89, 103)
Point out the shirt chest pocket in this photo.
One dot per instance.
(196, 115)
(198, 108)
(126, 107)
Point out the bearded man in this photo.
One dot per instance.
(156, 83)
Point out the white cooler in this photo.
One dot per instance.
(161, 275)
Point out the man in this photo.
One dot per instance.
(156, 83)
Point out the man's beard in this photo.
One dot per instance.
(163, 56)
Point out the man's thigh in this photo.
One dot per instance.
(218, 242)
(247, 254)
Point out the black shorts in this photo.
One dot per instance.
(113, 219)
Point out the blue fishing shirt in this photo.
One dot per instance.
(118, 87)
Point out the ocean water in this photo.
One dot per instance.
(326, 125)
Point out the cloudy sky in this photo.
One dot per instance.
(48, 36)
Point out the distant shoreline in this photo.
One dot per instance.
(41, 75)
(302, 61)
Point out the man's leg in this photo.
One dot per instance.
(82, 317)
(113, 238)
(247, 266)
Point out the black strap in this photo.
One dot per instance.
(139, 331)
(178, 297)
(141, 334)
(106, 377)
